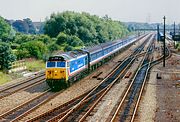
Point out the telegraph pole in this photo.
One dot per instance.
(174, 34)
(164, 42)
(174, 29)
(158, 36)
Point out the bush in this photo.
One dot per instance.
(62, 38)
(6, 56)
(32, 49)
(68, 48)
(53, 47)
(75, 41)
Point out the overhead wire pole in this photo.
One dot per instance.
(158, 36)
(164, 42)
(174, 33)
(174, 28)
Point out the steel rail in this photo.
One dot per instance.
(6, 93)
(20, 82)
(140, 94)
(42, 102)
(127, 91)
(150, 66)
(23, 104)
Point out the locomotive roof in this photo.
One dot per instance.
(71, 54)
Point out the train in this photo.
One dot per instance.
(65, 68)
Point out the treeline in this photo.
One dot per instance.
(26, 26)
(137, 25)
(62, 31)
(89, 29)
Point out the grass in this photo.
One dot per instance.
(34, 65)
(4, 78)
(178, 45)
(31, 64)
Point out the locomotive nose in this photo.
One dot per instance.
(55, 73)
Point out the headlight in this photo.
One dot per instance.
(55, 71)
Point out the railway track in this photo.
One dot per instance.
(21, 85)
(85, 115)
(62, 110)
(99, 101)
(65, 108)
(127, 106)
(27, 107)
(129, 112)
(84, 104)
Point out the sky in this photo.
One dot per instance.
(124, 10)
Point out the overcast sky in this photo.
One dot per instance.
(123, 10)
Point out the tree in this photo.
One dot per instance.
(44, 38)
(22, 53)
(68, 48)
(24, 26)
(30, 24)
(53, 47)
(5, 30)
(21, 26)
(55, 25)
(75, 41)
(22, 38)
(6, 56)
(88, 28)
(62, 38)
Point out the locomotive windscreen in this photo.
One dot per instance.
(61, 64)
(51, 64)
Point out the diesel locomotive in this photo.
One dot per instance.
(65, 68)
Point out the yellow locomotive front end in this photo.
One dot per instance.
(56, 73)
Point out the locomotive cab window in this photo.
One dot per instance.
(61, 64)
(51, 64)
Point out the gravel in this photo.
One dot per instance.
(168, 92)
(20, 97)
